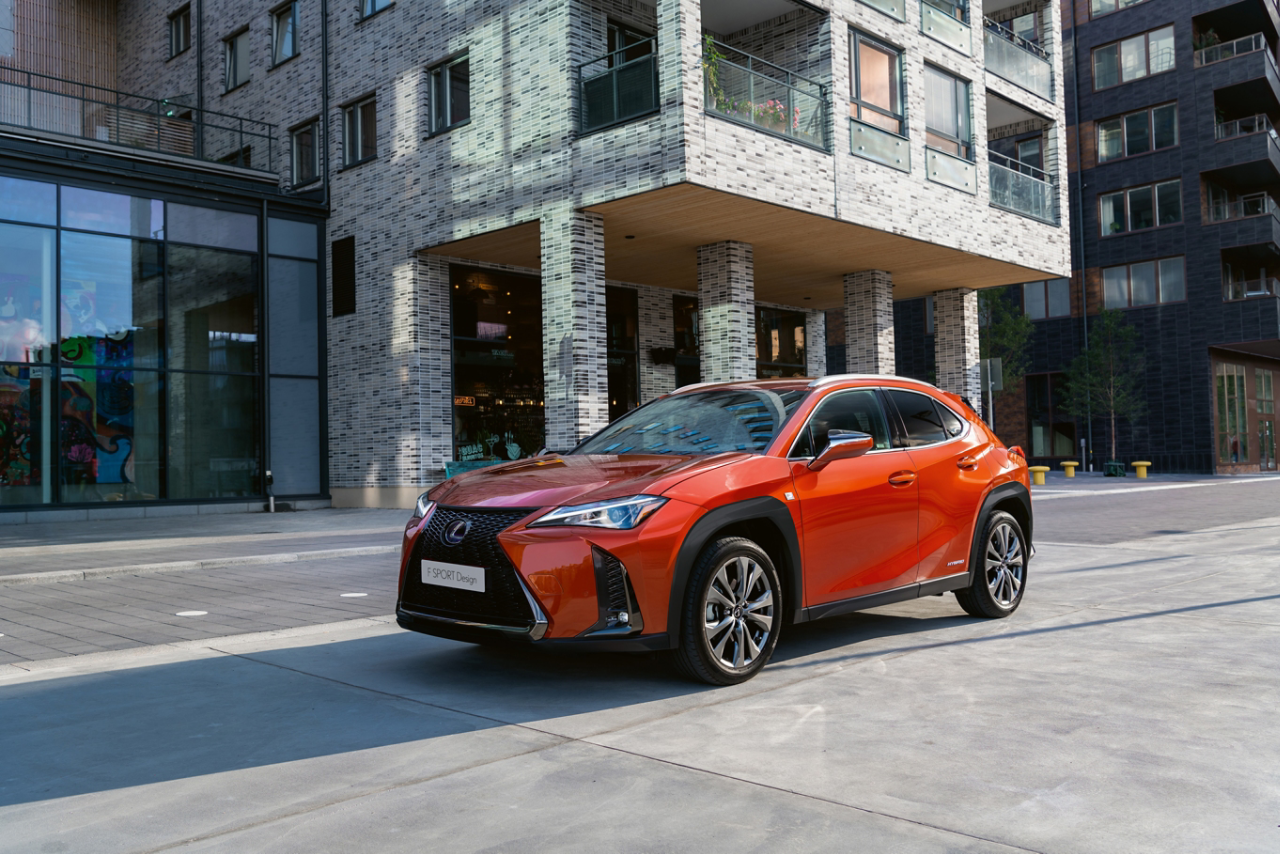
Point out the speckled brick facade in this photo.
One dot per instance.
(726, 311)
(868, 322)
(955, 324)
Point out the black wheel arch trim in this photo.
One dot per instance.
(711, 523)
(996, 496)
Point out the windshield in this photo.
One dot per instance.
(701, 422)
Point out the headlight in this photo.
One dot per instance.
(618, 513)
(423, 506)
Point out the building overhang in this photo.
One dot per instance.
(652, 238)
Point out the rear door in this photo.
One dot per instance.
(951, 460)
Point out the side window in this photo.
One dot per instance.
(857, 410)
(951, 422)
(919, 416)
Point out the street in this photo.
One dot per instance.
(1129, 705)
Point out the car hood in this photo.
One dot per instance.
(559, 480)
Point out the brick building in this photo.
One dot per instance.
(541, 214)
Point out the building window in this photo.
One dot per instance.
(1139, 208)
(627, 44)
(928, 315)
(179, 31)
(1026, 27)
(237, 60)
(780, 343)
(284, 33)
(343, 261)
(622, 321)
(1147, 283)
(305, 153)
(1233, 418)
(1265, 391)
(684, 313)
(1042, 300)
(369, 8)
(946, 113)
(876, 72)
(1098, 8)
(1138, 133)
(360, 132)
(1031, 157)
(1052, 431)
(957, 9)
(450, 93)
(1133, 58)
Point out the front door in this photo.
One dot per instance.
(859, 515)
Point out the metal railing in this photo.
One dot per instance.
(1231, 49)
(47, 104)
(619, 86)
(1017, 60)
(1022, 188)
(1254, 204)
(1250, 288)
(752, 91)
(1260, 123)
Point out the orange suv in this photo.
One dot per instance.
(706, 521)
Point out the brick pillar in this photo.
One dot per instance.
(726, 311)
(576, 377)
(868, 323)
(815, 343)
(955, 342)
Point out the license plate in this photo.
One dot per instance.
(453, 575)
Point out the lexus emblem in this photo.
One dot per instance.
(454, 532)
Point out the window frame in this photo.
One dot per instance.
(1155, 208)
(353, 130)
(291, 8)
(1124, 132)
(1159, 285)
(1118, 8)
(1118, 44)
(230, 60)
(312, 125)
(184, 15)
(804, 435)
(963, 103)
(369, 8)
(1044, 287)
(856, 37)
(439, 71)
(901, 440)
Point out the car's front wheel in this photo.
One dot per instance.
(1000, 576)
(732, 613)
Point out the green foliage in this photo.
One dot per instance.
(1004, 333)
(711, 57)
(1106, 379)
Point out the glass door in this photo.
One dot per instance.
(1267, 439)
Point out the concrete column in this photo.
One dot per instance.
(955, 342)
(815, 343)
(868, 323)
(726, 311)
(576, 378)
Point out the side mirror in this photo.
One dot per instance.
(842, 445)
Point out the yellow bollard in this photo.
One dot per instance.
(1037, 475)
(1070, 466)
(1141, 466)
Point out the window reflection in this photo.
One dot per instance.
(780, 344)
(213, 436)
(111, 311)
(622, 315)
(113, 213)
(26, 294)
(110, 434)
(213, 310)
(25, 467)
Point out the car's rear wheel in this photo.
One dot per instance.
(732, 613)
(1000, 576)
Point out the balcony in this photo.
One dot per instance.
(1022, 188)
(1232, 49)
(879, 145)
(618, 87)
(944, 168)
(892, 8)
(1244, 127)
(1017, 60)
(37, 102)
(1233, 291)
(944, 21)
(750, 91)
(1254, 204)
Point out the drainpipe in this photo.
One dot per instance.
(1079, 206)
(324, 97)
(200, 79)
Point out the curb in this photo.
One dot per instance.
(60, 575)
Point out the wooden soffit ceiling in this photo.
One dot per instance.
(800, 258)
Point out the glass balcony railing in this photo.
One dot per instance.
(1022, 188)
(944, 21)
(1017, 60)
(1254, 204)
(880, 145)
(1248, 289)
(1243, 127)
(46, 104)
(618, 87)
(1231, 49)
(892, 8)
(751, 91)
(955, 172)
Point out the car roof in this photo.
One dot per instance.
(795, 383)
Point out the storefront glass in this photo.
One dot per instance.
(497, 365)
(780, 343)
(1233, 432)
(1053, 432)
(688, 357)
(110, 435)
(622, 316)
(111, 312)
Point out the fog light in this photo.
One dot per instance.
(624, 618)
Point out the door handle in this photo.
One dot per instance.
(902, 478)
(967, 462)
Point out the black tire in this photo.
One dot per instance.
(731, 615)
(1000, 572)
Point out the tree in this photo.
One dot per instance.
(1106, 379)
(1004, 331)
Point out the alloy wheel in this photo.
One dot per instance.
(738, 613)
(1005, 564)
